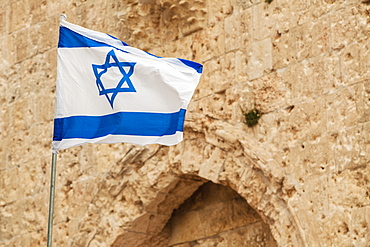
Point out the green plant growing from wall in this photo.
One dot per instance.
(252, 117)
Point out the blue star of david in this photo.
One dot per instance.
(100, 70)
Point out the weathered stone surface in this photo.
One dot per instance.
(219, 212)
(304, 168)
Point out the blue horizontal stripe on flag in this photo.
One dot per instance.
(198, 67)
(71, 39)
(121, 123)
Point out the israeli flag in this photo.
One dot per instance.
(109, 92)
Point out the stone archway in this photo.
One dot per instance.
(212, 214)
(246, 167)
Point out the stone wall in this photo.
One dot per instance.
(304, 168)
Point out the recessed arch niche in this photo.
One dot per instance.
(215, 215)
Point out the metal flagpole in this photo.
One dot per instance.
(51, 199)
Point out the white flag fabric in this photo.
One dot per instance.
(109, 92)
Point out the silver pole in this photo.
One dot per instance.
(51, 199)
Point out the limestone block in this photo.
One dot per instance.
(221, 217)
(150, 223)
(61, 204)
(365, 54)
(345, 27)
(233, 24)
(366, 140)
(246, 27)
(215, 134)
(4, 151)
(241, 101)
(34, 76)
(284, 49)
(132, 239)
(227, 73)
(351, 64)
(214, 106)
(23, 216)
(326, 74)
(82, 15)
(315, 194)
(313, 38)
(318, 8)
(217, 77)
(186, 228)
(266, 129)
(181, 48)
(37, 10)
(164, 204)
(337, 231)
(32, 178)
(264, 20)
(269, 92)
(3, 26)
(66, 172)
(209, 43)
(217, 11)
(298, 123)
(37, 238)
(338, 4)
(19, 16)
(192, 158)
(80, 194)
(241, 66)
(206, 195)
(175, 158)
(32, 214)
(23, 48)
(9, 185)
(350, 187)
(46, 34)
(350, 149)
(316, 163)
(54, 8)
(227, 132)
(303, 219)
(239, 175)
(14, 242)
(307, 160)
(153, 171)
(299, 81)
(3, 88)
(287, 17)
(212, 164)
(7, 53)
(341, 110)
(255, 235)
(259, 58)
(303, 8)
(50, 68)
(23, 113)
(60, 237)
(212, 73)
(185, 187)
(359, 226)
(183, 18)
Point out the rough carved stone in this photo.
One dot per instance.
(304, 168)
